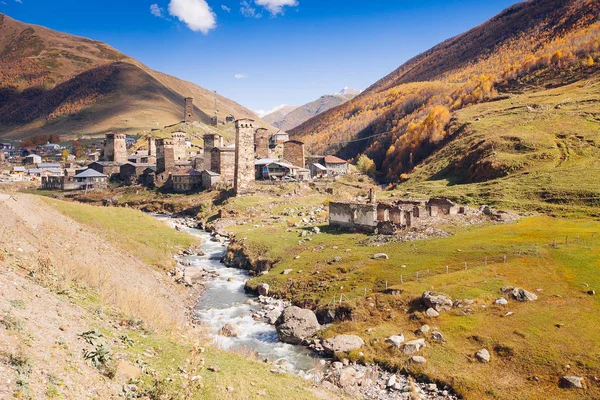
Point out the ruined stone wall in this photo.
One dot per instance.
(293, 152)
(244, 156)
(353, 216)
(261, 143)
(189, 110)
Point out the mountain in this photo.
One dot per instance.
(278, 114)
(408, 115)
(290, 117)
(52, 82)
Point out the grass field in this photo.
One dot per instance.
(131, 231)
(541, 339)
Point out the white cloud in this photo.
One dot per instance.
(225, 8)
(156, 11)
(276, 6)
(240, 76)
(18, 1)
(264, 113)
(196, 14)
(248, 11)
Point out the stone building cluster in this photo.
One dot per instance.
(389, 217)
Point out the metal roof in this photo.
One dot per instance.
(319, 166)
(90, 173)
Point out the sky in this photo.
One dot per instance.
(264, 53)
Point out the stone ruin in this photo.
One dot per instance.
(387, 218)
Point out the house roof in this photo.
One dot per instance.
(48, 165)
(191, 172)
(319, 166)
(293, 141)
(334, 160)
(265, 161)
(90, 173)
(19, 169)
(211, 173)
(107, 163)
(285, 165)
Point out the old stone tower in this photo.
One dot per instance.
(165, 155)
(261, 143)
(293, 152)
(244, 156)
(151, 150)
(179, 145)
(189, 110)
(210, 142)
(115, 148)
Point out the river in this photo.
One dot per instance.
(225, 301)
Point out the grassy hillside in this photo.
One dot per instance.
(403, 118)
(51, 82)
(533, 152)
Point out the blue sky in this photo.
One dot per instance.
(263, 53)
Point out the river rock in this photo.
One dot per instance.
(437, 301)
(396, 340)
(347, 378)
(296, 324)
(483, 355)
(229, 330)
(343, 343)
(413, 346)
(572, 382)
(273, 315)
(263, 289)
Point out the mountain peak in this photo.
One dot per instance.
(349, 91)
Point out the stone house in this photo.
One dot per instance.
(32, 159)
(279, 138)
(223, 163)
(186, 181)
(91, 179)
(335, 165)
(440, 206)
(210, 179)
(317, 170)
(261, 143)
(63, 183)
(131, 173)
(108, 168)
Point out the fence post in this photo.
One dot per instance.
(465, 265)
(447, 269)
(485, 261)
(417, 275)
(505, 258)
(386, 286)
(567, 240)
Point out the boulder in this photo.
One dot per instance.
(572, 382)
(287, 272)
(432, 313)
(519, 294)
(396, 340)
(437, 301)
(413, 346)
(343, 343)
(296, 324)
(502, 301)
(424, 329)
(229, 330)
(420, 360)
(263, 289)
(483, 355)
(381, 256)
(437, 335)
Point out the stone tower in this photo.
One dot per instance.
(165, 155)
(261, 143)
(189, 110)
(115, 148)
(211, 141)
(179, 145)
(293, 152)
(244, 156)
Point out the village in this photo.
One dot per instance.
(172, 164)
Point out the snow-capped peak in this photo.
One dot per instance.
(349, 91)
